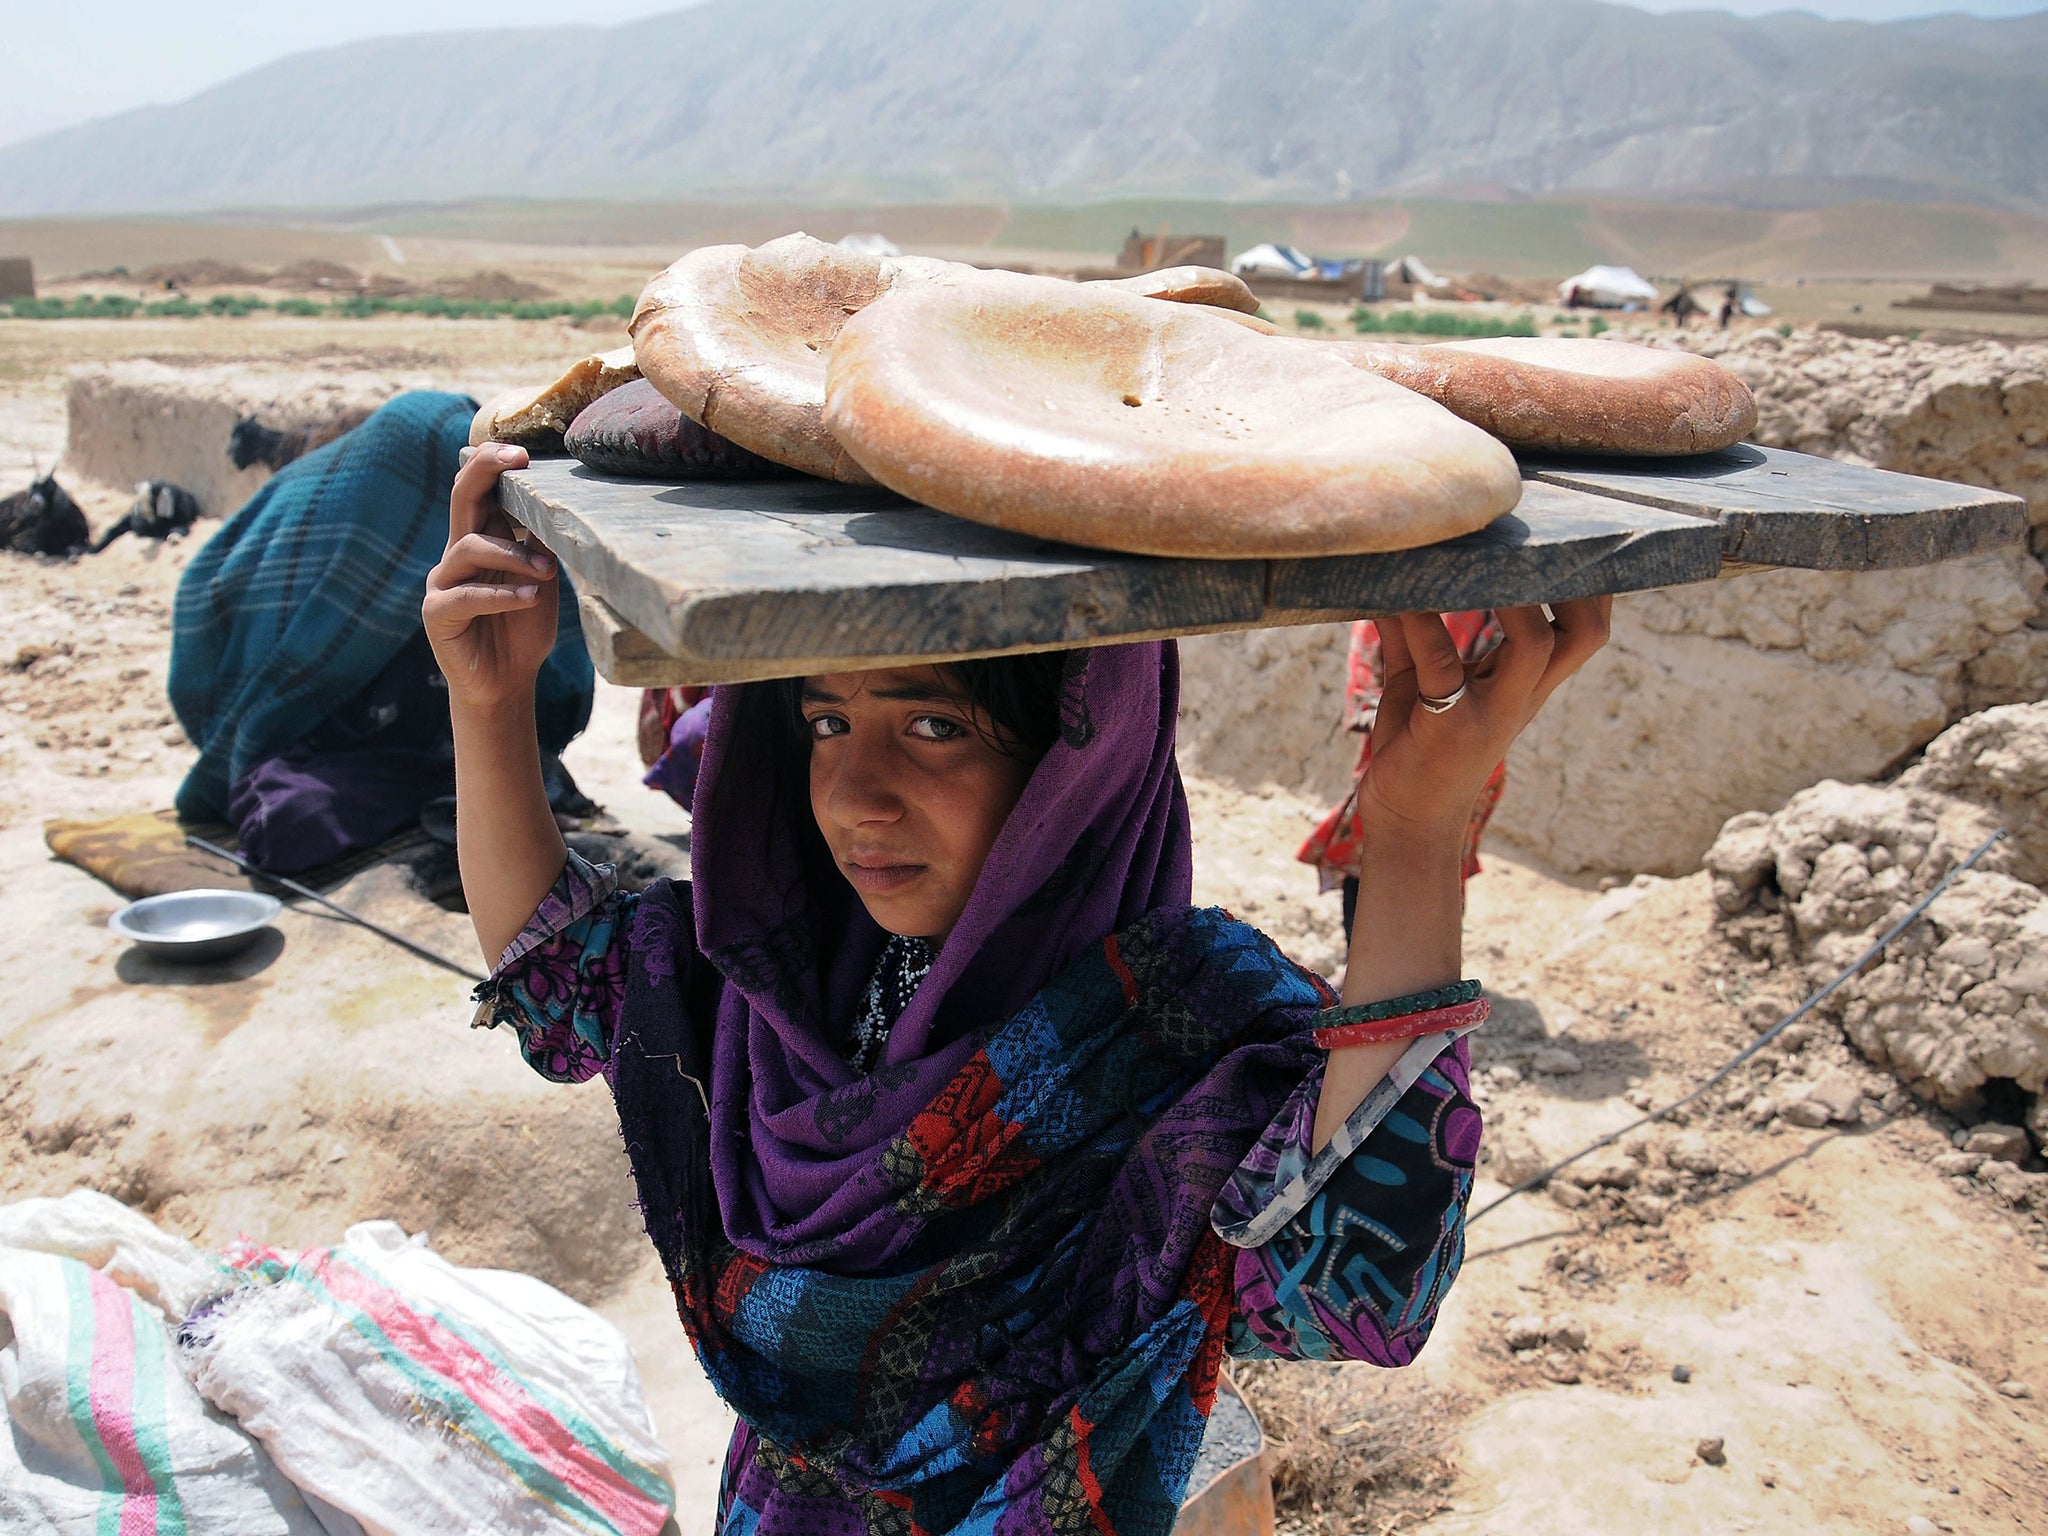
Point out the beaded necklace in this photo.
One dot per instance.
(901, 968)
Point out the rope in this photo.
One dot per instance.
(1912, 916)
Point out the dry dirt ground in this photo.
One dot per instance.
(1843, 1317)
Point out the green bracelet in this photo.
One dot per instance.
(1415, 1002)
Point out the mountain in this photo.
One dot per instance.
(1068, 99)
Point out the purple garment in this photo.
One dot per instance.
(675, 771)
(305, 809)
(1098, 840)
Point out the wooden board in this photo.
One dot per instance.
(1556, 545)
(1776, 507)
(727, 582)
(731, 577)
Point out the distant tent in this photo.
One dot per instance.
(868, 243)
(1607, 288)
(1273, 261)
(1409, 269)
(1754, 307)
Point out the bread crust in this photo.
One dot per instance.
(737, 338)
(1572, 396)
(537, 419)
(1094, 416)
(1191, 285)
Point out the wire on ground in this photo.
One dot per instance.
(335, 907)
(1913, 915)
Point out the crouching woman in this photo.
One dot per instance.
(970, 1146)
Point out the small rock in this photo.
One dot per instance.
(1560, 1366)
(1809, 1113)
(1713, 1450)
(1761, 1108)
(1570, 1196)
(1660, 1181)
(1681, 1374)
(2014, 1389)
(1639, 1098)
(1841, 1095)
(2012, 1186)
(1896, 1101)
(1504, 1076)
(1522, 1333)
(1797, 1037)
(1646, 1208)
(1570, 1333)
(1556, 1061)
(1763, 1012)
(1607, 1168)
(2007, 1143)
(1692, 1153)
(1955, 1165)
(1920, 1525)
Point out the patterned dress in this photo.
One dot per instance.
(1342, 1254)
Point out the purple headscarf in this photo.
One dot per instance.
(1099, 838)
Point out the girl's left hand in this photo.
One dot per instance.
(1428, 768)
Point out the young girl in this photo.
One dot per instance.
(969, 1146)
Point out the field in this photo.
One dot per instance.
(1827, 1305)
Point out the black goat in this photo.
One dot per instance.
(161, 509)
(43, 520)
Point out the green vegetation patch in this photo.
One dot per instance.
(1437, 322)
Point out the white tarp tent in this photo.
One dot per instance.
(867, 243)
(1409, 269)
(1607, 288)
(1273, 261)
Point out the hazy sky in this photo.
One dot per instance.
(62, 64)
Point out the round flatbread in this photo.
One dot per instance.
(1191, 285)
(1573, 396)
(635, 431)
(535, 419)
(1080, 413)
(737, 339)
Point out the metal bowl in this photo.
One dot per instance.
(195, 927)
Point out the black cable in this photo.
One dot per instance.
(335, 907)
(1911, 917)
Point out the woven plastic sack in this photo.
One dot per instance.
(105, 1434)
(420, 1398)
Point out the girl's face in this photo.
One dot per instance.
(908, 790)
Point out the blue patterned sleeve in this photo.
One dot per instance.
(1345, 1254)
(560, 984)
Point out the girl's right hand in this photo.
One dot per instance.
(490, 609)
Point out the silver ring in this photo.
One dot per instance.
(1439, 706)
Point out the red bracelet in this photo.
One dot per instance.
(1408, 1026)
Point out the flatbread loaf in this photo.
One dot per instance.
(1082, 413)
(1191, 285)
(637, 432)
(737, 339)
(1573, 396)
(536, 419)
